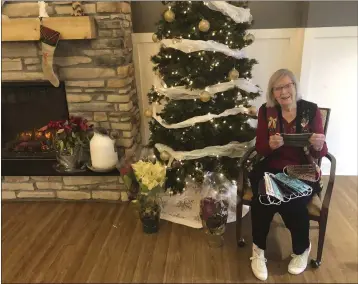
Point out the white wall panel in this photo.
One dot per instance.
(329, 78)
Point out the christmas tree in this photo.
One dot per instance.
(205, 92)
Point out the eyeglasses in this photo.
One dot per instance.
(286, 87)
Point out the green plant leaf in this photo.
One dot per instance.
(127, 181)
(61, 145)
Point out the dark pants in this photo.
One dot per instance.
(294, 213)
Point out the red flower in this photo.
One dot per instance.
(125, 170)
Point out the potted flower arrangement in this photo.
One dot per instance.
(71, 141)
(144, 180)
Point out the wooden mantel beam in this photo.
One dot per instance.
(26, 29)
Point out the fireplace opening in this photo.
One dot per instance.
(26, 107)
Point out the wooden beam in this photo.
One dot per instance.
(72, 27)
(27, 29)
(20, 29)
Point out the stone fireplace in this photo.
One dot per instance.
(97, 83)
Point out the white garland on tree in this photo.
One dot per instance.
(183, 93)
(238, 14)
(233, 150)
(198, 119)
(188, 46)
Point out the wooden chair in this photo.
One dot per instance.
(318, 207)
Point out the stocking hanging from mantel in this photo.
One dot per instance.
(49, 39)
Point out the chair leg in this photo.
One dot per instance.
(239, 239)
(321, 235)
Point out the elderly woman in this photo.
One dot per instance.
(284, 112)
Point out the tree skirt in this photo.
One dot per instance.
(184, 208)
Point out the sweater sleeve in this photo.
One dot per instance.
(262, 139)
(317, 127)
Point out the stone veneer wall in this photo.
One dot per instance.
(100, 86)
(69, 188)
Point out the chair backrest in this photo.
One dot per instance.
(325, 113)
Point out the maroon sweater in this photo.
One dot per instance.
(286, 155)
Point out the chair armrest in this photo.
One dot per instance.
(332, 177)
(247, 155)
(240, 183)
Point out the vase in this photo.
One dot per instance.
(214, 214)
(67, 161)
(149, 214)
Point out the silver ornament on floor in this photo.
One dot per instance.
(204, 25)
(169, 16)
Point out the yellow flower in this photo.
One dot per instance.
(149, 174)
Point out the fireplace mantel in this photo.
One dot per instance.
(28, 29)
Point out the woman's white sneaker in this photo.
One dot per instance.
(258, 263)
(298, 263)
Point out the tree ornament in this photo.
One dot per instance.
(252, 110)
(155, 38)
(204, 25)
(169, 16)
(164, 156)
(205, 96)
(249, 37)
(148, 113)
(234, 74)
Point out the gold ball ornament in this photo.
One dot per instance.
(205, 96)
(204, 25)
(234, 74)
(169, 16)
(164, 156)
(248, 37)
(155, 38)
(148, 113)
(252, 110)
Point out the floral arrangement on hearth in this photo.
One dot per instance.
(70, 139)
(144, 181)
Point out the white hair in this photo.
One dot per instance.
(270, 100)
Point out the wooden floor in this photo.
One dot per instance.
(103, 243)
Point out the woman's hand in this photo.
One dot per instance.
(317, 141)
(276, 141)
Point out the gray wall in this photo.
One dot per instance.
(267, 14)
